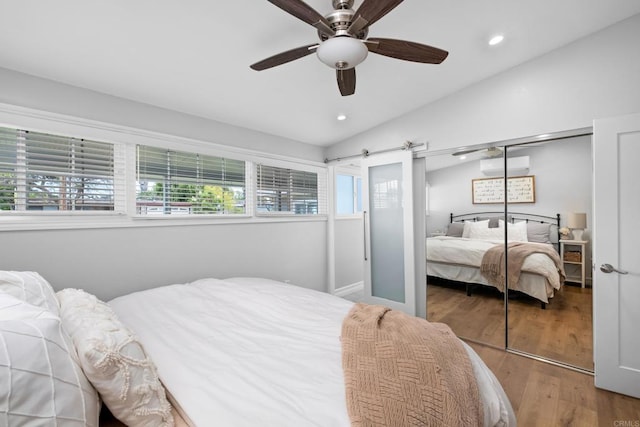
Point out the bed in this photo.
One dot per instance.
(234, 352)
(273, 357)
(458, 255)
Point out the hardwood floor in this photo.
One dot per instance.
(546, 395)
(479, 317)
(562, 331)
(541, 394)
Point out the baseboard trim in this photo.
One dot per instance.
(349, 289)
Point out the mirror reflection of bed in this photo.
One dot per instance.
(546, 316)
(472, 249)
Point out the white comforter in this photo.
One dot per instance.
(469, 252)
(249, 352)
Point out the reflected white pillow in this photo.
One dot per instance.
(41, 382)
(30, 287)
(496, 233)
(474, 225)
(114, 361)
(515, 232)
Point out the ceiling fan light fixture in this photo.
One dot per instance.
(342, 53)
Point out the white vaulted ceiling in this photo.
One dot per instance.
(194, 56)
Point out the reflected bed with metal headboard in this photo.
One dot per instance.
(458, 256)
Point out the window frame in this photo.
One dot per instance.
(196, 154)
(125, 139)
(118, 200)
(321, 189)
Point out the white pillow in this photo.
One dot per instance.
(114, 361)
(29, 287)
(474, 225)
(515, 232)
(41, 382)
(495, 233)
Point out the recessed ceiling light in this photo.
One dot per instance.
(341, 117)
(498, 38)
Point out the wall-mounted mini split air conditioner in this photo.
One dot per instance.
(515, 166)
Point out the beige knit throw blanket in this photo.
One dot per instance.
(493, 266)
(404, 371)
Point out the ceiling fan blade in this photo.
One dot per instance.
(284, 57)
(369, 12)
(408, 51)
(346, 81)
(305, 13)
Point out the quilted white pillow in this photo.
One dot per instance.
(41, 382)
(30, 287)
(114, 361)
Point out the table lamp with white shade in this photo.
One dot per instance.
(577, 222)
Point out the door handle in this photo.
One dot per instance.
(364, 223)
(608, 268)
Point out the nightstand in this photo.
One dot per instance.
(572, 252)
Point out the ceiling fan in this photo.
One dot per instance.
(343, 39)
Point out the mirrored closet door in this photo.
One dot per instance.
(535, 296)
(550, 309)
(458, 233)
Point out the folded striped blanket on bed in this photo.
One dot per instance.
(404, 371)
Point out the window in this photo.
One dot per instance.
(42, 172)
(348, 194)
(286, 191)
(50, 181)
(182, 183)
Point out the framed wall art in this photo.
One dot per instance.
(520, 189)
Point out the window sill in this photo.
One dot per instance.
(69, 222)
(348, 217)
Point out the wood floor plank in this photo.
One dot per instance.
(571, 415)
(540, 400)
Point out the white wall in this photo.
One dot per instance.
(568, 88)
(563, 183)
(349, 251)
(46, 95)
(115, 261)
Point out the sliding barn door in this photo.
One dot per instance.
(388, 221)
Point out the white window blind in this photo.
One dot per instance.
(43, 172)
(182, 183)
(286, 191)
